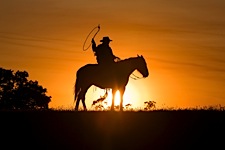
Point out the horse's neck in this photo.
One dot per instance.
(129, 65)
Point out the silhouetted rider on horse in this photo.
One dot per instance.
(103, 52)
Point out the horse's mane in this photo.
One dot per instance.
(126, 60)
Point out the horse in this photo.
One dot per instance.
(113, 77)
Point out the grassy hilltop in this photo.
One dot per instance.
(171, 129)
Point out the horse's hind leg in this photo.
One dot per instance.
(77, 104)
(79, 97)
(82, 97)
(84, 105)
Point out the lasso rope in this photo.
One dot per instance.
(97, 27)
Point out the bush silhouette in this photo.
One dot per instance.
(19, 93)
(149, 105)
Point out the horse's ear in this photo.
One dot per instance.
(138, 55)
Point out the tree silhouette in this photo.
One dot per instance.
(19, 93)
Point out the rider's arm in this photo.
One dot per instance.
(115, 57)
(93, 45)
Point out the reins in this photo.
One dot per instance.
(97, 27)
(135, 77)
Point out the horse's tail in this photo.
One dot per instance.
(77, 88)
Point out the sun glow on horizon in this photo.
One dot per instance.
(131, 96)
(117, 98)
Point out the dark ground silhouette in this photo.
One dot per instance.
(113, 130)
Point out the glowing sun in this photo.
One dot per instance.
(130, 97)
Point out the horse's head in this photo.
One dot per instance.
(142, 66)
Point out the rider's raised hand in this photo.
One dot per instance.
(93, 41)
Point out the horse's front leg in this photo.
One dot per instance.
(113, 99)
(121, 98)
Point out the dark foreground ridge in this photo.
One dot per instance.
(112, 130)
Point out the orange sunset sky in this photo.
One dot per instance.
(183, 42)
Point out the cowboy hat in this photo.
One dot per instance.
(104, 39)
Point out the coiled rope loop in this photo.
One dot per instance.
(97, 27)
